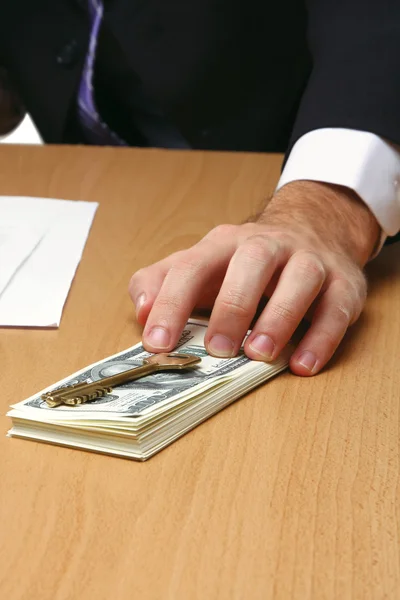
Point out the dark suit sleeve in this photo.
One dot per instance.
(355, 78)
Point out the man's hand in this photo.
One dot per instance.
(305, 252)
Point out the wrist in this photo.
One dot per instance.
(330, 213)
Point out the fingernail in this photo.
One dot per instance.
(140, 301)
(221, 346)
(308, 360)
(262, 344)
(158, 337)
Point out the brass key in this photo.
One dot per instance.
(73, 395)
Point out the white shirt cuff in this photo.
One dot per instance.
(359, 160)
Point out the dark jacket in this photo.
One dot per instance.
(230, 74)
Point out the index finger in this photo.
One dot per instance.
(182, 286)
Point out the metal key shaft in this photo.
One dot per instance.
(80, 393)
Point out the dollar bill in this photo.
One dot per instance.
(156, 408)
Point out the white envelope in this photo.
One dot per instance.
(17, 242)
(37, 276)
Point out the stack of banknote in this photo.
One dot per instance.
(138, 418)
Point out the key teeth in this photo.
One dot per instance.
(50, 401)
(83, 398)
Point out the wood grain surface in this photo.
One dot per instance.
(292, 492)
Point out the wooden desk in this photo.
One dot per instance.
(292, 492)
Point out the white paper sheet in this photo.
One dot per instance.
(17, 242)
(34, 293)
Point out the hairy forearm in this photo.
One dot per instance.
(331, 212)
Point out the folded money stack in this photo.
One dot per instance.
(138, 418)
